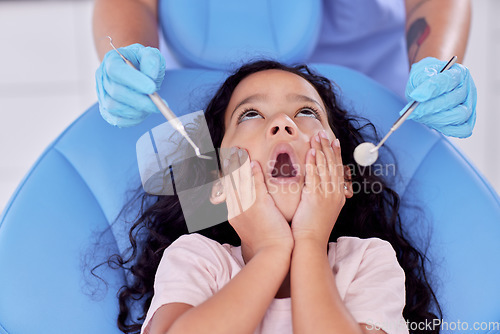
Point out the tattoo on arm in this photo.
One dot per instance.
(417, 33)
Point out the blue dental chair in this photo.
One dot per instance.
(55, 227)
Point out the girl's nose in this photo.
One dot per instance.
(282, 125)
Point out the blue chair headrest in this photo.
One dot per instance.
(208, 34)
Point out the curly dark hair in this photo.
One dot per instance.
(373, 212)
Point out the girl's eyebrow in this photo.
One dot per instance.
(290, 97)
(250, 99)
(303, 98)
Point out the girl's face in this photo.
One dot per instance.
(273, 114)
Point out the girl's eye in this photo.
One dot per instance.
(248, 114)
(308, 112)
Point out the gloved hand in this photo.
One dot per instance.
(447, 100)
(122, 91)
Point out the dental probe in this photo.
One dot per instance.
(165, 110)
(366, 153)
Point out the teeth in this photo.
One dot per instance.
(283, 166)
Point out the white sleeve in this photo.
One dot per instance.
(376, 295)
(189, 272)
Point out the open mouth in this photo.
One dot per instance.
(283, 167)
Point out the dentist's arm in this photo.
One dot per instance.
(121, 90)
(437, 29)
(126, 21)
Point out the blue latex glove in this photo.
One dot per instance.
(447, 100)
(122, 91)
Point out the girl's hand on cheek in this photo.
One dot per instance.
(323, 195)
(251, 210)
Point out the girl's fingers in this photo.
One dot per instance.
(258, 179)
(332, 161)
(246, 191)
(318, 158)
(252, 185)
(231, 202)
(322, 165)
(322, 169)
(333, 176)
(339, 164)
(232, 182)
(337, 150)
(337, 157)
(311, 175)
(328, 150)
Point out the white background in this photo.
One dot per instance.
(47, 65)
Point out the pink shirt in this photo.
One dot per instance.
(369, 279)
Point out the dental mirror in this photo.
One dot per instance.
(366, 153)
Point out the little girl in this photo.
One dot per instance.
(303, 250)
